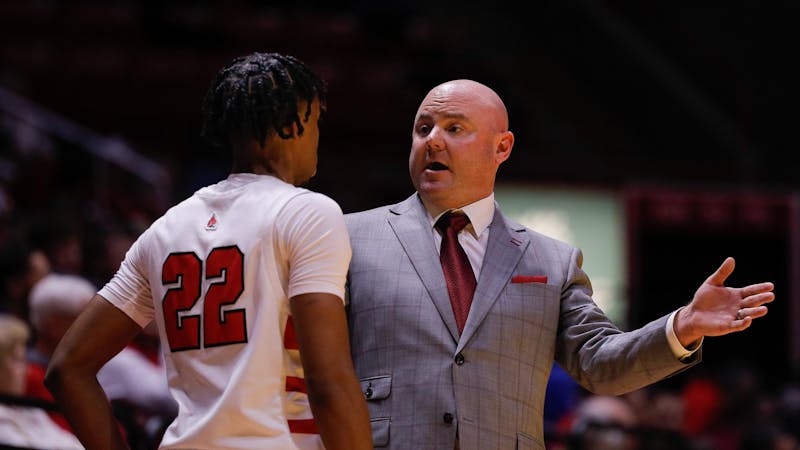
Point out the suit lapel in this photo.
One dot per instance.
(412, 227)
(505, 248)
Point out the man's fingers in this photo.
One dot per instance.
(741, 324)
(755, 289)
(718, 278)
(753, 313)
(758, 299)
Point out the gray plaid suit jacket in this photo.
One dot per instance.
(424, 381)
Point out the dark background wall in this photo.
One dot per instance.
(598, 93)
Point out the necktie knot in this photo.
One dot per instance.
(452, 220)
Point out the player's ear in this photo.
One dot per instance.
(290, 130)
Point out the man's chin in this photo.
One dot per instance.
(434, 193)
(437, 187)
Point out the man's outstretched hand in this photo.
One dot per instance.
(716, 309)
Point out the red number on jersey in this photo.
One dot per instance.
(219, 327)
(183, 269)
(224, 327)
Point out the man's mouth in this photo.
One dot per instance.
(436, 166)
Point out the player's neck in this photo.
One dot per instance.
(258, 170)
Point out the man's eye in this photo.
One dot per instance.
(454, 128)
(423, 129)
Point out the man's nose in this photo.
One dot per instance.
(435, 140)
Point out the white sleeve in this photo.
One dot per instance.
(129, 289)
(311, 228)
(679, 350)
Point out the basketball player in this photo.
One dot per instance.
(245, 280)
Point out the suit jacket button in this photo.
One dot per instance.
(459, 359)
(448, 418)
(368, 392)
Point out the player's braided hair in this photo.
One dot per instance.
(258, 93)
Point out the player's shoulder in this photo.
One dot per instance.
(305, 198)
(311, 209)
(175, 212)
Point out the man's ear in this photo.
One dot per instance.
(290, 130)
(503, 147)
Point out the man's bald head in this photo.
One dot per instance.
(473, 93)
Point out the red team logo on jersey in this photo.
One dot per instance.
(212, 222)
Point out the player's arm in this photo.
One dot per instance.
(99, 333)
(335, 395)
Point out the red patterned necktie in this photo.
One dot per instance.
(457, 271)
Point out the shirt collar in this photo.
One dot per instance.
(480, 215)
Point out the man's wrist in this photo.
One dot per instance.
(680, 348)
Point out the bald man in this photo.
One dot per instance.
(456, 319)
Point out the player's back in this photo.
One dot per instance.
(221, 271)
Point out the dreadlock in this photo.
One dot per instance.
(258, 93)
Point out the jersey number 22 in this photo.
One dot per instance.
(220, 327)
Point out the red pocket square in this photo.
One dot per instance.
(529, 279)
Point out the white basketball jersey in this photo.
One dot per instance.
(216, 273)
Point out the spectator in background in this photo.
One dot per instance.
(129, 380)
(54, 301)
(604, 423)
(659, 412)
(740, 407)
(20, 425)
(702, 398)
(21, 266)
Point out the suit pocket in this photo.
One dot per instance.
(529, 279)
(380, 431)
(528, 442)
(376, 388)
